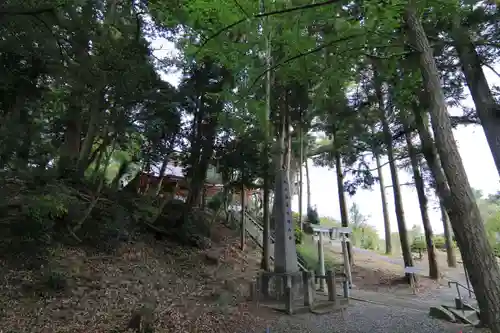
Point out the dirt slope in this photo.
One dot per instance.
(190, 290)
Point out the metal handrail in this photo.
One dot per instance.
(302, 265)
(457, 284)
(259, 225)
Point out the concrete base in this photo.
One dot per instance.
(273, 285)
(328, 307)
(442, 313)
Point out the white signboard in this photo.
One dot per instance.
(321, 229)
(411, 270)
(345, 230)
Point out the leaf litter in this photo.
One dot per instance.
(99, 293)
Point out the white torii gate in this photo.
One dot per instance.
(336, 232)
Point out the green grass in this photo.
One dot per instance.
(308, 250)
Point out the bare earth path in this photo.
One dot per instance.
(377, 272)
(378, 305)
(362, 317)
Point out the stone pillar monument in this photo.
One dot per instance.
(285, 250)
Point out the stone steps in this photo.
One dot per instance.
(254, 230)
(466, 314)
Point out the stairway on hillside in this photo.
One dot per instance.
(255, 230)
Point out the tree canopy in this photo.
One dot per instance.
(82, 100)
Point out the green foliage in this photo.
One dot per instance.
(312, 215)
(418, 245)
(328, 221)
(40, 210)
(492, 229)
(194, 231)
(47, 207)
(299, 235)
(55, 280)
(216, 201)
(439, 242)
(365, 237)
(356, 218)
(309, 252)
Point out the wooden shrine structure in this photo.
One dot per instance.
(179, 186)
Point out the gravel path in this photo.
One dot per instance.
(367, 318)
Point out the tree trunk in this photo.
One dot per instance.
(422, 199)
(92, 130)
(448, 241)
(486, 106)
(308, 184)
(161, 174)
(97, 154)
(280, 162)
(197, 182)
(301, 162)
(70, 148)
(97, 165)
(266, 220)
(432, 158)
(342, 201)
(461, 206)
(398, 203)
(385, 210)
(266, 247)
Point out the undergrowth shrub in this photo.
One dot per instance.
(35, 216)
(308, 251)
(30, 215)
(216, 202)
(312, 215)
(191, 228)
(496, 249)
(418, 245)
(55, 280)
(298, 234)
(440, 243)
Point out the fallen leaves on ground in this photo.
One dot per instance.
(101, 292)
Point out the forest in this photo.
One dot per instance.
(265, 86)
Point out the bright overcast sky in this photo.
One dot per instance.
(473, 148)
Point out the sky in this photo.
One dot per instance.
(472, 145)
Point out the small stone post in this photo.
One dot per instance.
(321, 257)
(308, 288)
(347, 264)
(288, 294)
(330, 281)
(345, 285)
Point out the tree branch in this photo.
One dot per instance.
(399, 158)
(241, 8)
(293, 9)
(304, 54)
(491, 69)
(27, 12)
(256, 16)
